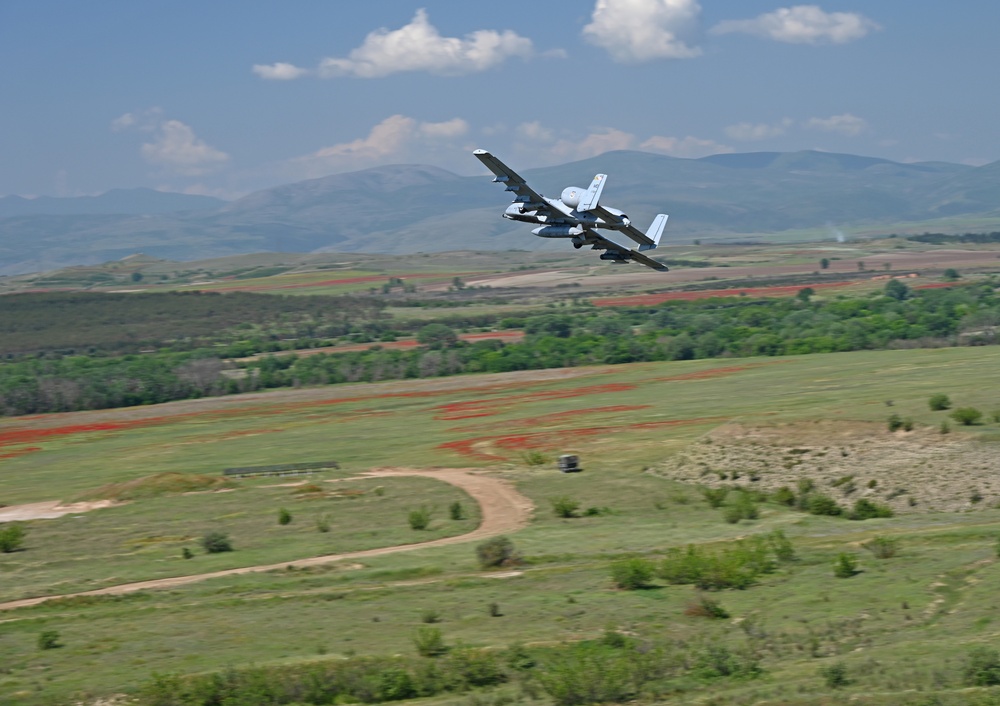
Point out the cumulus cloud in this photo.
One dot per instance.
(750, 132)
(417, 46)
(175, 147)
(279, 71)
(449, 128)
(845, 124)
(398, 138)
(642, 30)
(534, 131)
(689, 147)
(802, 24)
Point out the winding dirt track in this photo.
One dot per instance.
(503, 510)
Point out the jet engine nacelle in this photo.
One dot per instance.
(571, 196)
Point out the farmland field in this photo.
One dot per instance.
(631, 425)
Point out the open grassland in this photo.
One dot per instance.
(902, 624)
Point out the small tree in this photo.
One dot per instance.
(284, 516)
(939, 402)
(420, 519)
(11, 537)
(845, 566)
(824, 264)
(437, 336)
(564, 506)
(429, 642)
(804, 294)
(715, 496)
(950, 275)
(894, 289)
(895, 422)
(966, 416)
(49, 640)
(834, 675)
(632, 574)
(882, 547)
(456, 511)
(498, 551)
(216, 542)
(784, 496)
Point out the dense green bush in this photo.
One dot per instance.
(882, 547)
(736, 567)
(966, 416)
(429, 642)
(564, 506)
(216, 542)
(11, 537)
(419, 519)
(939, 402)
(632, 574)
(498, 551)
(819, 504)
(982, 667)
(284, 516)
(845, 566)
(865, 509)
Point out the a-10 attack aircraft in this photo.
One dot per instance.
(576, 214)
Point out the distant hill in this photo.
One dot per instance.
(410, 208)
(128, 201)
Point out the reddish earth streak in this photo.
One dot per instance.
(660, 297)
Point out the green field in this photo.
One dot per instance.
(902, 627)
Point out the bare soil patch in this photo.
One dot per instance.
(49, 510)
(916, 471)
(503, 510)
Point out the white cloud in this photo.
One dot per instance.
(593, 144)
(175, 147)
(123, 122)
(802, 24)
(642, 30)
(398, 138)
(419, 47)
(689, 147)
(144, 120)
(750, 132)
(534, 131)
(449, 128)
(279, 71)
(846, 124)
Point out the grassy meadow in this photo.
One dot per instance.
(901, 627)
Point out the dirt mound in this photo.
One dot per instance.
(910, 471)
(157, 484)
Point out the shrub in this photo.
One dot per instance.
(715, 496)
(834, 675)
(565, 506)
(420, 519)
(966, 416)
(939, 402)
(865, 509)
(430, 616)
(11, 537)
(784, 496)
(746, 506)
(995, 415)
(429, 642)
(216, 542)
(49, 640)
(732, 514)
(781, 546)
(982, 667)
(534, 458)
(187, 553)
(498, 551)
(908, 424)
(494, 610)
(588, 673)
(737, 567)
(818, 504)
(706, 607)
(323, 523)
(456, 511)
(845, 566)
(895, 422)
(284, 516)
(632, 574)
(882, 547)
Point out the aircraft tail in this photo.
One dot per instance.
(655, 232)
(593, 195)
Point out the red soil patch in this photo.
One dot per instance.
(660, 297)
(26, 436)
(556, 417)
(20, 452)
(485, 408)
(551, 440)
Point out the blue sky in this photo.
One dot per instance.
(229, 96)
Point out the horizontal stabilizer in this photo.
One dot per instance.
(655, 232)
(593, 195)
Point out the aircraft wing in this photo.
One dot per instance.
(532, 200)
(624, 253)
(623, 226)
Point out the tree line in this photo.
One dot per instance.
(712, 328)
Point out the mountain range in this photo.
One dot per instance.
(414, 208)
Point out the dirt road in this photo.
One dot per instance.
(503, 510)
